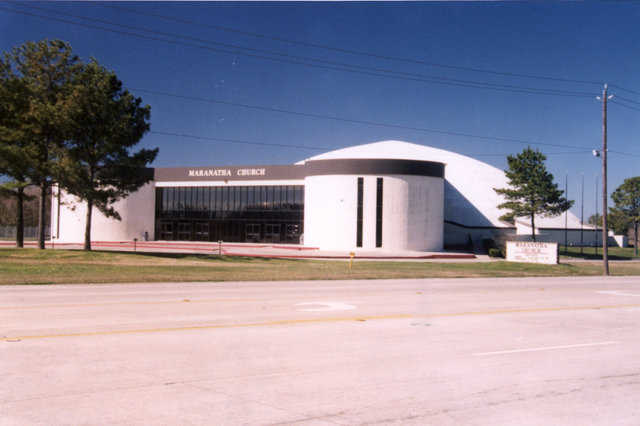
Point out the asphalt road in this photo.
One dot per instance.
(562, 351)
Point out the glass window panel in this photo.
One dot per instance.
(225, 198)
(205, 201)
(184, 198)
(269, 203)
(290, 197)
(235, 198)
(263, 197)
(164, 206)
(299, 197)
(175, 204)
(250, 196)
(243, 198)
(276, 197)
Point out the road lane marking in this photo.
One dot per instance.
(544, 348)
(325, 306)
(323, 320)
(618, 293)
(211, 327)
(141, 302)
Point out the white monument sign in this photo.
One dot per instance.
(526, 251)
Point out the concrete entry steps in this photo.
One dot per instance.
(265, 250)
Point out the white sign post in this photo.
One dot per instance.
(530, 252)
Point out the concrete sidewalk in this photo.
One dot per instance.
(269, 250)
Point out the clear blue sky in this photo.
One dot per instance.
(577, 41)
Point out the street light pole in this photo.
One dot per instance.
(582, 217)
(605, 239)
(566, 213)
(595, 230)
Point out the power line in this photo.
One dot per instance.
(623, 105)
(299, 60)
(420, 77)
(372, 123)
(520, 89)
(349, 51)
(626, 154)
(631, 101)
(355, 121)
(625, 89)
(546, 154)
(239, 141)
(312, 148)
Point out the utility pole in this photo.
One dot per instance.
(595, 230)
(605, 236)
(582, 218)
(566, 213)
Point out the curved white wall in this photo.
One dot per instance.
(412, 215)
(137, 212)
(469, 196)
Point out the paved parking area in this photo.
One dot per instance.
(446, 352)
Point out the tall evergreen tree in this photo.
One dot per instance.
(45, 68)
(627, 202)
(106, 122)
(531, 189)
(15, 162)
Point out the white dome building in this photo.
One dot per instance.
(389, 195)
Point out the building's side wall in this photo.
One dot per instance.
(330, 211)
(470, 238)
(412, 213)
(137, 212)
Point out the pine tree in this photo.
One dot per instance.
(106, 122)
(15, 162)
(531, 189)
(44, 69)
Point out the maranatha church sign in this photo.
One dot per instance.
(225, 172)
(235, 173)
(530, 252)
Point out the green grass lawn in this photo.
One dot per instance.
(615, 253)
(33, 266)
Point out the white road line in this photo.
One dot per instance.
(618, 293)
(546, 348)
(325, 306)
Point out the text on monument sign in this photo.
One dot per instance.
(530, 252)
(225, 172)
